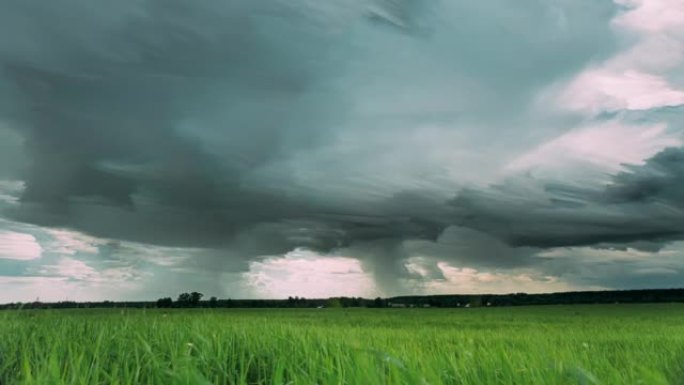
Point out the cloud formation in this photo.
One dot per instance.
(19, 246)
(211, 139)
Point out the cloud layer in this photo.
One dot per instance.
(209, 140)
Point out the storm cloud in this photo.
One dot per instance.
(169, 116)
(640, 205)
(379, 130)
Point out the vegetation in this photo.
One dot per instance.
(194, 299)
(543, 345)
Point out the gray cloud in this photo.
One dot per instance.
(660, 181)
(641, 207)
(104, 116)
(250, 128)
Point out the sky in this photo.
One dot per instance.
(266, 149)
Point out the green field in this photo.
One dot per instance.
(599, 344)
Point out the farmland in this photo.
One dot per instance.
(581, 344)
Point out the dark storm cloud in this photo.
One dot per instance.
(659, 182)
(102, 115)
(176, 123)
(642, 207)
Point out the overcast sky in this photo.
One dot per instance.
(275, 148)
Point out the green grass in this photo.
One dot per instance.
(611, 344)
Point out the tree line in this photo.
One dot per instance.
(195, 300)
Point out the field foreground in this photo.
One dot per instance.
(594, 344)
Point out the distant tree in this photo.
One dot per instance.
(378, 302)
(213, 302)
(164, 302)
(184, 298)
(476, 301)
(189, 299)
(195, 297)
(333, 303)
